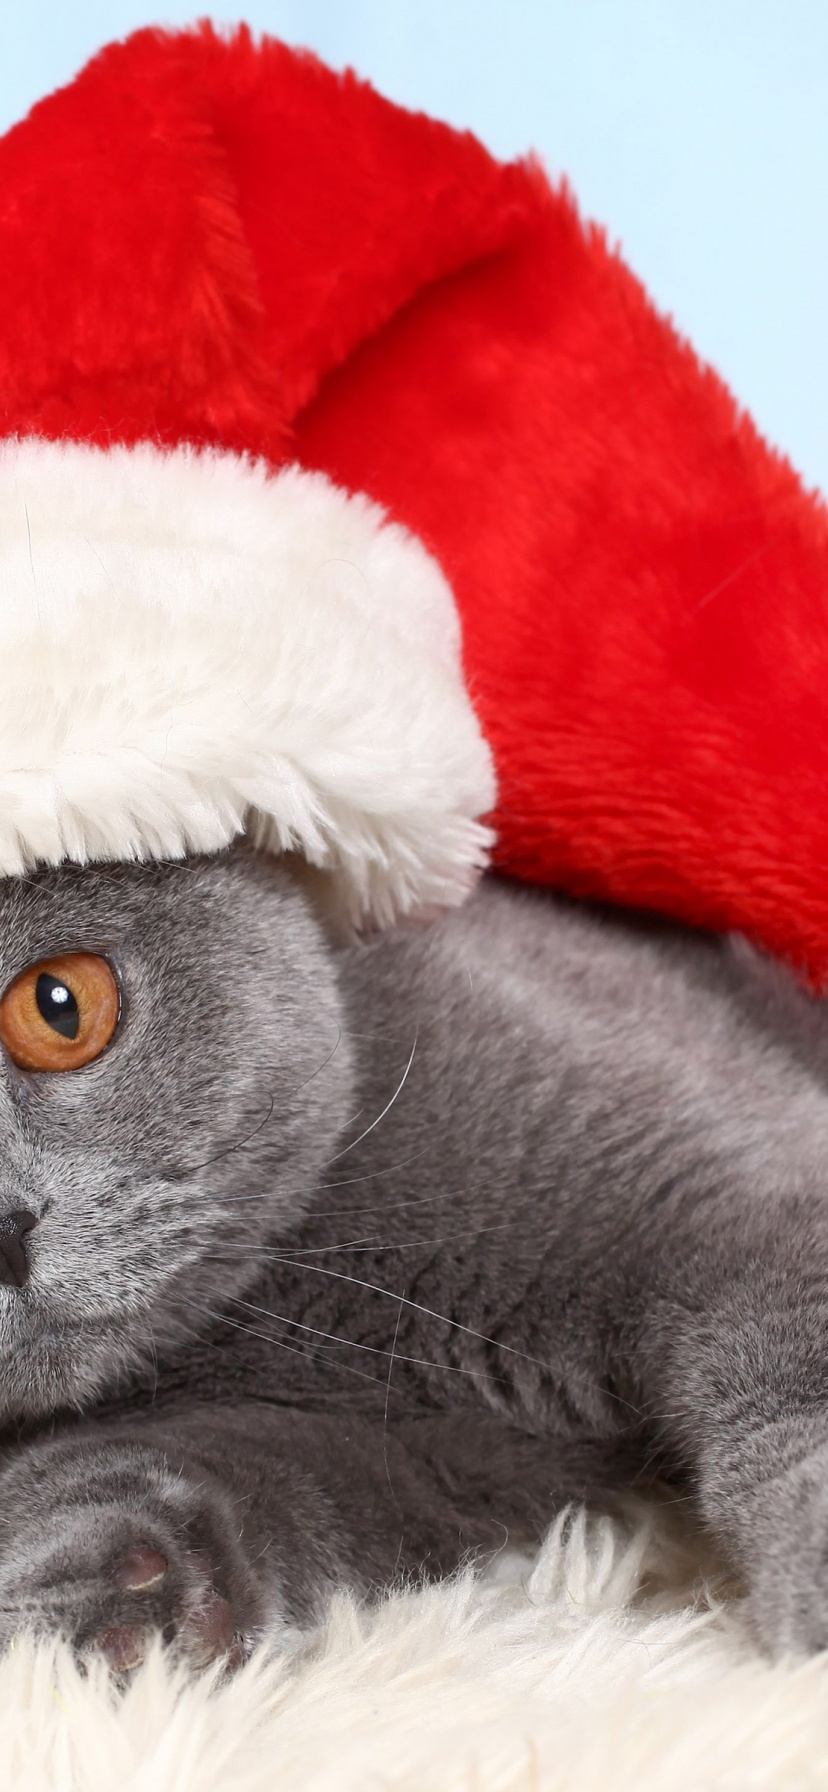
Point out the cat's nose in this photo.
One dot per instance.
(14, 1264)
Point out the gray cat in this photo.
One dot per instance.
(339, 1263)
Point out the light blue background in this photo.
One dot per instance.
(697, 130)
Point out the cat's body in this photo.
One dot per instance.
(351, 1260)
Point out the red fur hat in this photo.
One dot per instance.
(292, 381)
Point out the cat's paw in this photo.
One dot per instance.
(110, 1547)
(136, 1593)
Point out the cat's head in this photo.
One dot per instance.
(138, 1187)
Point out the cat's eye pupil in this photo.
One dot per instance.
(57, 1005)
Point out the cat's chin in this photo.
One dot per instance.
(45, 1368)
(56, 1355)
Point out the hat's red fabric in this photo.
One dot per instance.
(210, 240)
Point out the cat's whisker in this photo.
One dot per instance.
(388, 1396)
(239, 1144)
(319, 1067)
(371, 1175)
(404, 1244)
(368, 1242)
(445, 1319)
(350, 1182)
(255, 1332)
(388, 1106)
(354, 1344)
(417, 1306)
(344, 1213)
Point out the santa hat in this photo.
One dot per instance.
(296, 386)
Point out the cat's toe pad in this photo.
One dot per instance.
(123, 1647)
(211, 1633)
(204, 1629)
(141, 1567)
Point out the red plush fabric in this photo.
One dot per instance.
(197, 229)
(204, 239)
(643, 584)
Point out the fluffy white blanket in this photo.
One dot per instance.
(611, 1661)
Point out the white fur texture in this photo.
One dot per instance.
(191, 647)
(602, 1668)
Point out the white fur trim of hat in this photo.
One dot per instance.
(193, 647)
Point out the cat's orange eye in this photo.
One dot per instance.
(60, 1013)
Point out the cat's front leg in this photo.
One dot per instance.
(742, 1396)
(106, 1541)
(211, 1524)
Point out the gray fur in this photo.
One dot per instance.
(349, 1261)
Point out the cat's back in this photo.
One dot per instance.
(523, 1002)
